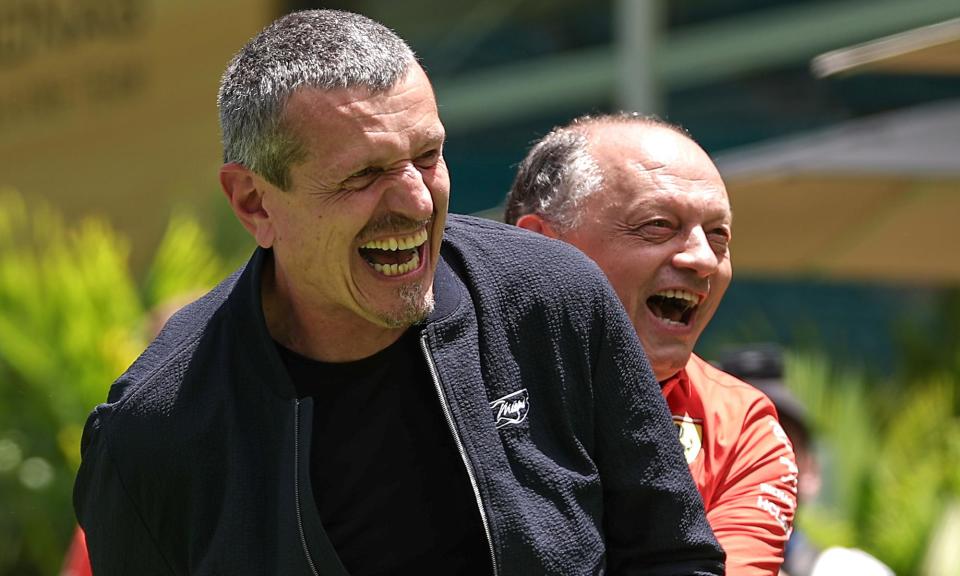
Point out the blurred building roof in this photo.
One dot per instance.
(933, 49)
(875, 198)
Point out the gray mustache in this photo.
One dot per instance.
(393, 223)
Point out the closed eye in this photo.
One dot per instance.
(657, 230)
(428, 159)
(653, 231)
(362, 179)
(365, 172)
(720, 239)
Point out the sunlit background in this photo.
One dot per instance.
(836, 124)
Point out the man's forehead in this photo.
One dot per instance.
(412, 86)
(407, 107)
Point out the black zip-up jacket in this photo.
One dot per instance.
(199, 461)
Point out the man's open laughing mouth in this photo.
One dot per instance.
(395, 255)
(675, 307)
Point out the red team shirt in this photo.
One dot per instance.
(739, 456)
(741, 461)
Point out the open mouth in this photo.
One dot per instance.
(674, 307)
(395, 255)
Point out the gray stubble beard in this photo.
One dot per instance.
(417, 306)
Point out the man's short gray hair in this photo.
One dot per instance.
(325, 49)
(559, 172)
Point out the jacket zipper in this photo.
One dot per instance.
(448, 415)
(296, 484)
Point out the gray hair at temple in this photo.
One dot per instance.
(559, 172)
(325, 49)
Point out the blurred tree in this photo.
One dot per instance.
(889, 455)
(933, 349)
(72, 318)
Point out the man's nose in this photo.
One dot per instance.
(409, 195)
(697, 254)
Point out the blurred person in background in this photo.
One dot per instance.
(646, 203)
(762, 366)
(383, 389)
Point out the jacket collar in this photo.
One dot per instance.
(446, 292)
(247, 311)
(252, 337)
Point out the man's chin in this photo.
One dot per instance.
(414, 307)
(666, 363)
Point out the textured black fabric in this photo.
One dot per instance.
(200, 448)
(386, 474)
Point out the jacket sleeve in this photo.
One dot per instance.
(752, 509)
(654, 521)
(118, 541)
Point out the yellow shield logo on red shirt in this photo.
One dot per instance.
(691, 436)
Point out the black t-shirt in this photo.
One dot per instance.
(392, 489)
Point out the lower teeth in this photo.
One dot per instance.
(397, 269)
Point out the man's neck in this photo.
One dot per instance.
(327, 335)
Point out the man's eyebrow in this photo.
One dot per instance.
(645, 204)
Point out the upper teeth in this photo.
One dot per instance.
(681, 294)
(402, 243)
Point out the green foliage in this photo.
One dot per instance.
(890, 455)
(184, 263)
(913, 478)
(929, 350)
(72, 318)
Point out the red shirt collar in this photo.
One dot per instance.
(679, 379)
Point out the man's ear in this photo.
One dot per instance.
(245, 192)
(536, 223)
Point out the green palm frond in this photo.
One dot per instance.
(891, 460)
(71, 320)
(185, 262)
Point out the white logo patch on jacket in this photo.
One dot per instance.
(511, 409)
